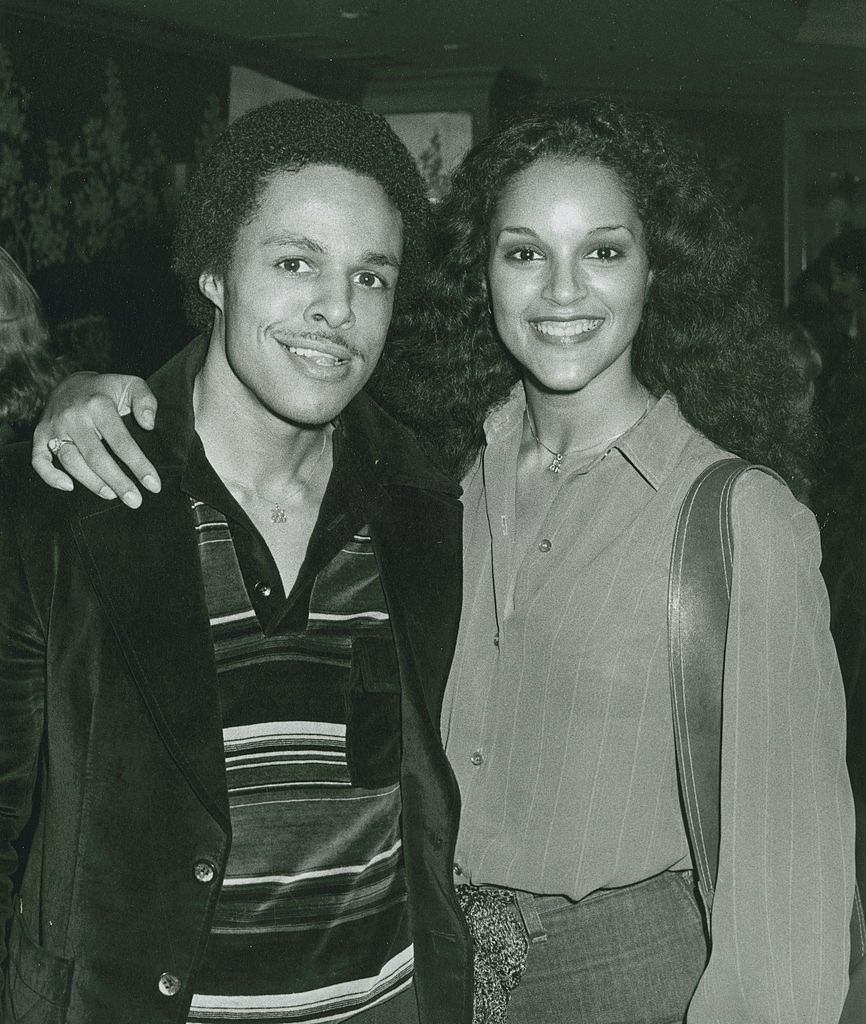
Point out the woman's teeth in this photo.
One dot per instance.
(566, 329)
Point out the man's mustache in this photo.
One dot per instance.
(332, 342)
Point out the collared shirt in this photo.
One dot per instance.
(312, 918)
(557, 718)
(312, 921)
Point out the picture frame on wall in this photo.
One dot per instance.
(438, 140)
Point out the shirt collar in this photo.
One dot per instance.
(385, 448)
(652, 446)
(655, 444)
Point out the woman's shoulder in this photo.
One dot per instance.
(760, 492)
(772, 525)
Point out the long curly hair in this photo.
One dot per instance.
(224, 191)
(708, 332)
(29, 369)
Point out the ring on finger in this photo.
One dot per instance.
(56, 443)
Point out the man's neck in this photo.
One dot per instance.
(245, 442)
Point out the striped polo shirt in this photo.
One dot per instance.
(311, 924)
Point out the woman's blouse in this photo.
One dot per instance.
(557, 718)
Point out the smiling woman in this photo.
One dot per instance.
(597, 320)
(568, 276)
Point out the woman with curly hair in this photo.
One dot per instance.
(28, 368)
(601, 315)
(593, 338)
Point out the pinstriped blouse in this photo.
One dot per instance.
(557, 718)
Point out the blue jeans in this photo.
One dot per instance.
(619, 956)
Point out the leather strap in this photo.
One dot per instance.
(699, 597)
(698, 602)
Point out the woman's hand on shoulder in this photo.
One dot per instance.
(84, 412)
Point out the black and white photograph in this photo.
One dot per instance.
(432, 511)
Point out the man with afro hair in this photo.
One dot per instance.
(218, 722)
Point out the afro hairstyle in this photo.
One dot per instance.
(226, 187)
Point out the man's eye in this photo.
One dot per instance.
(367, 279)
(605, 253)
(294, 265)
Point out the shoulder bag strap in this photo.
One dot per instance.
(698, 603)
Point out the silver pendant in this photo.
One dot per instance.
(556, 465)
(278, 513)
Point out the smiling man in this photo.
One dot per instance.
(217, 713)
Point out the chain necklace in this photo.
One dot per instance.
(559, 457)
(278, 514)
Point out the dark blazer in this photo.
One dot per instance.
(111, 753)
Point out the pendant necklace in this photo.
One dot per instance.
(278, 514)
(560, 457)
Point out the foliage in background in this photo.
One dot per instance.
(71, 204)
(31, 210)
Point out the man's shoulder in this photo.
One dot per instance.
(172, 384)
(23, 495)
(391, 447)
(16, 469)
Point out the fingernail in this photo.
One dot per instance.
(107, 493)
(147, 418)
(151, 483)
(65, 485)
(131, 498)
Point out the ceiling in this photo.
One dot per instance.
(766, 51)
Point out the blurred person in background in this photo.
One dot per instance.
(829, 308)
(847, 261)
(29, 368)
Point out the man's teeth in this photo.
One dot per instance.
(319, 358)
(560, 329)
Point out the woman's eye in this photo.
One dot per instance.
(605, 253)
(524, 254)
(294, 265)
(367, 279)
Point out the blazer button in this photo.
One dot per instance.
(169, 984)
(204, 871)
(262, 589)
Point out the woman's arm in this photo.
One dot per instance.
(780, 922)
(86, 409)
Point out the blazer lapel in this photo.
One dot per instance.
(144, 567)
(417, 539)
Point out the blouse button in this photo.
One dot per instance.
(262, 589)
(477, 758)
(169, 984)
(545, 546)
